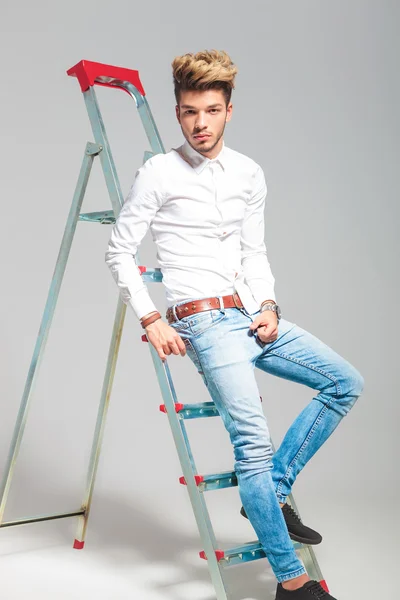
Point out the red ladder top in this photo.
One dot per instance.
(90, 73)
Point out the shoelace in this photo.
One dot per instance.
(292, 513)
(316, 589)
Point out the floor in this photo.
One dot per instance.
(150, 561)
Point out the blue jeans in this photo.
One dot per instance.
(225, 352)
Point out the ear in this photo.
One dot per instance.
(177, 112)
(229, 112)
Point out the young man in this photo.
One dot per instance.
(204, 204)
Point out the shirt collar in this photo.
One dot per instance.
(197, 160)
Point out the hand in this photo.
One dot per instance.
(165, 339)
(266, 324)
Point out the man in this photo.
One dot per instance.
(204, 204)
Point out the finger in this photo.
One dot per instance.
(258, 324)
(177, 345)
(270, 329)
(181, 346)
(264, 337)
(160, 352)
(267, 336)
(174, 347)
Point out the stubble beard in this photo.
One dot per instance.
(204, 149)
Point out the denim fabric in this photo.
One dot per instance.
(225, 352)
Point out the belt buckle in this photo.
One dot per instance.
(234, 299)
(170, 315)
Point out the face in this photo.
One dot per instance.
(202, 116)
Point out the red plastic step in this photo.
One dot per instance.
(178, 407)
(90, 73)
(198, 479)
(218, 553)
(78, 545)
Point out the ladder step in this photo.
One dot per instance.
(242, 554)
(105, 217)
(194, 410)
(89, 72)
(216, 481)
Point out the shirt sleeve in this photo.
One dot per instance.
(141, 204)
(256, 267)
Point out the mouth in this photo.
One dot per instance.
(201, 136)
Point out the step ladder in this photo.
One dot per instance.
(88, 75)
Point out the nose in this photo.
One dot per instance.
(200, 121)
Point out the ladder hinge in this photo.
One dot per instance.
(93, 149)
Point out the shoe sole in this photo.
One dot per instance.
(308, 542)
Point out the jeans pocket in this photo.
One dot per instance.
(205, 320)
(181, 325)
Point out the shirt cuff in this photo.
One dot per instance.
(262, 294)
(261, 290)
(142, 304)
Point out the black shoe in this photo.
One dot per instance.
(311, 590)
(297, 531)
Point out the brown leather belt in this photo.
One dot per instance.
(191, 308)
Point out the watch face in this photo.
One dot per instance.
(278, 312)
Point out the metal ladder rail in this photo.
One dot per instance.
(161, 368)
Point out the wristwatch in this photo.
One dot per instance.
(272, 306)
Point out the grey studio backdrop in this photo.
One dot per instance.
(316, 105)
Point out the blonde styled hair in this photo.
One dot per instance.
(208, 69)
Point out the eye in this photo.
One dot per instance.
(214, 110)
(189, 112)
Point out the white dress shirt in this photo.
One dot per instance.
(206, 217)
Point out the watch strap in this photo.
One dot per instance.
(271, 306)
